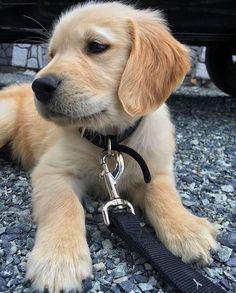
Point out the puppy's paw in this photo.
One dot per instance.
(60, 267)
(192, 239)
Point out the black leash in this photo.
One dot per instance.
(120, 218)
(182, 276)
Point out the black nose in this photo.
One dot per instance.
(44, 87)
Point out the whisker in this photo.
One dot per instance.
(36, 21)
(35, 39)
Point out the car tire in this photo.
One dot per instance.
(221, 67)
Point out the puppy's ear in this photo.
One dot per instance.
(156, 66)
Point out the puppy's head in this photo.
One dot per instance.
(109, 65)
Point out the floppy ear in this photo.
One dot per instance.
(156, 66)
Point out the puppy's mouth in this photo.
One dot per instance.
(52, 114)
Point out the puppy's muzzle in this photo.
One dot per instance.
(45, 87)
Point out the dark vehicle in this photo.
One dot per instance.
(210, 23)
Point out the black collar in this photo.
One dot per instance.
(102, 141)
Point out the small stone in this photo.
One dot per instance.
(230, 277)
(3, 284)
(192, 185)
(10, 237)
(115, 290)
(120, 280)
(13, 282)
(231, 262)
(140, 260)
(141, 278)
(24, 252)
(99, 266)
(194, 142)
(145, 287)
(22, 267)
(119, 271)
(29, 243)
(148, 267)
(227, 188)
(2, 230)
(185, 196)
(225, 283)
(228, 239)
(8, 271)
(189, 203)
(152, 281)
(13, 230)
(88, 204)
(224, 253)
(96, 286)
(212, 273)
(9, 259)
(16, 260)
(13, 249)
(205, 201)
(87, 285)
(127, 286)
(26, 227)
(27, 290)
(107, 244)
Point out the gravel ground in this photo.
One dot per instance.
(205, 171)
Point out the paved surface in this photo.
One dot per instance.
(205, 170)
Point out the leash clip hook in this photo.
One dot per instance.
(111, 178)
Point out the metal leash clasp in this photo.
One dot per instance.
(111, 178)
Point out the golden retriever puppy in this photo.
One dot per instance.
(110, 64)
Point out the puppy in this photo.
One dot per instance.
(110, 64)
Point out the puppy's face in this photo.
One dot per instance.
(108, 64)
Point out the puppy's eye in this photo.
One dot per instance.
(96, 48)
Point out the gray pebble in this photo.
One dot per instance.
(225, 283)
(30, 243)
(99, 266)
(8, 271)
(120, 280)
(227, 188)
(228, 239)
(145, 287)
(119, 271)
(141, 278)
(224, 253)
(2, 230)
(107, 244)
(231, 262)
(127, 286)
(116, 290)
(213, 273)
(3, 284)
(9, 237)
(148, 267)
(13, 249)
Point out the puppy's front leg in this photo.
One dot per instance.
(60, 259)
(186, 235)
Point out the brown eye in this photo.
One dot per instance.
(96, 48)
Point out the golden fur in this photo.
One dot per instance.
(134, 77)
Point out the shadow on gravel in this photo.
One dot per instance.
(203, 107)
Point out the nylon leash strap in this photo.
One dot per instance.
(182, 276)
(120, 218)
